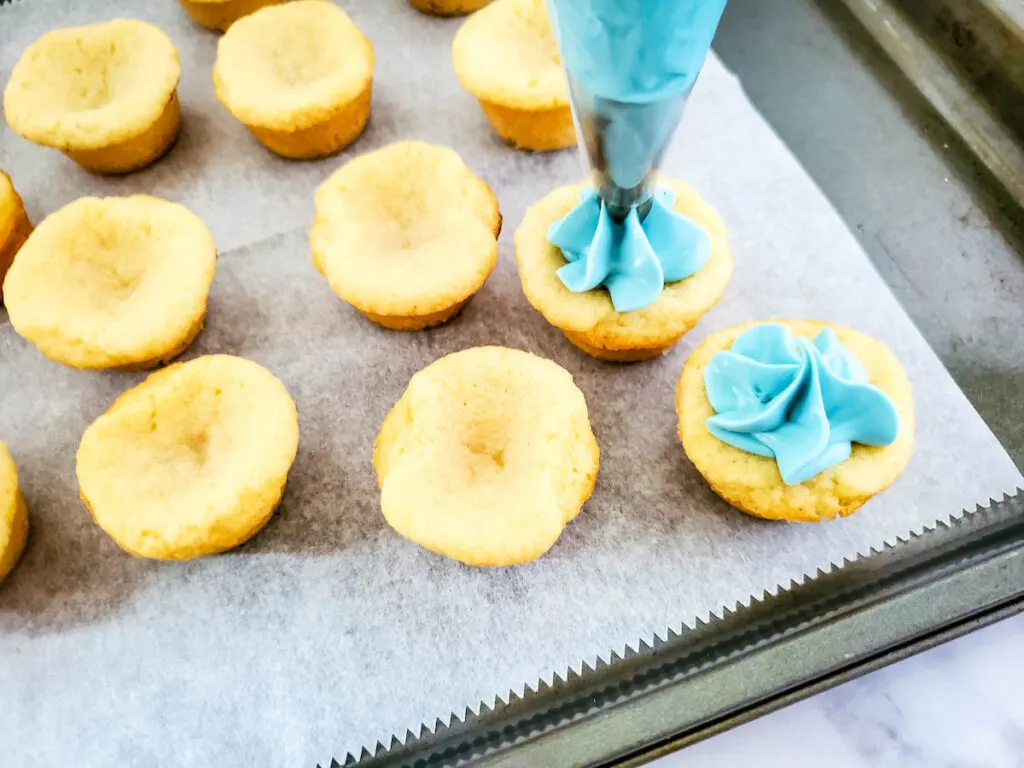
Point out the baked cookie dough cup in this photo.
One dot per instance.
(15, 227)
(507, 57)
(589, 319)
(753, 483)
(13, 515)
(448, 7)
(486, 456)
(104, 94)
(114, 282)
(218, 15)
(406, 234)
(299, 76)
(192, 461)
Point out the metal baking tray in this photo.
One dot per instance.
(957, 70)
(961, 575)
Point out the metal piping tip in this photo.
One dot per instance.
(624, 144)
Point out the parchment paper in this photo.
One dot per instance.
(328, 631)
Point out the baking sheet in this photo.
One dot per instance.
(328, 631)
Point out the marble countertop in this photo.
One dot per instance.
(960, 705)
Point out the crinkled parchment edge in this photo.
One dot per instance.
(596, 684)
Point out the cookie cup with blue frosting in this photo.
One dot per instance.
(754, 483)
(589, 319)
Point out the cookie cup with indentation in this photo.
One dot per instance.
(406, 234)
(588, 319)
(114, 282)
(219, 15)
(299, 76)
(507, 57)
(104, 94)
(192, 461)
(486, 456)
(448, 7)
(15, 227)
(752, 483)
(13, 514)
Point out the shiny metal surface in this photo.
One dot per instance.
(869, 612)
(624, 144)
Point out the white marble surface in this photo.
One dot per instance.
(960, 705)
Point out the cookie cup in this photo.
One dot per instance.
(219, 15)
(192, 461)
(486, 456)
(448, 7)
(114, 282)
(752, 483)
(13, 515)
(104, 94)
(507, 57)
(588, 319)
(406, 234)
(299, 76)
(15, 227)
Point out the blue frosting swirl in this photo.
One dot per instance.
(633, 259)
(804, 403)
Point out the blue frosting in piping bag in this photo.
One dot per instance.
(635, 50)
(633, 259)
(631, 65)
(802, 402)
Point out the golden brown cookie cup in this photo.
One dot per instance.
(15, 227)
(537, 130)
(448, 7)
(137, 152)
(104, 94)
(299, 76)
(753, 483)
(589, 319)
(219, 15)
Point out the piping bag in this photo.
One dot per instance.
(631, 65)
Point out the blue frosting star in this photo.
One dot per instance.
(800, 402)
(633, 259)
